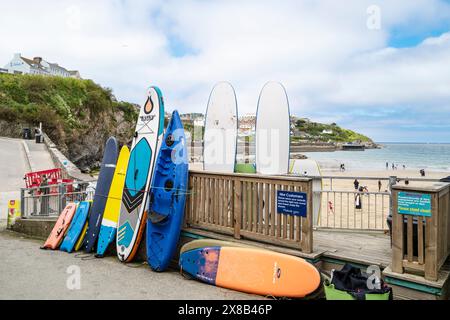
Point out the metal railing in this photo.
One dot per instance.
(49, 201)
(367, 209)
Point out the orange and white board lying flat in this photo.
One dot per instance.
(253, 271)
(59, 230)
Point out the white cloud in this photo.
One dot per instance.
(332, 65)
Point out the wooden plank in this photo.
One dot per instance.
(237, 211)
(272, 209)
(216, 200)
(306, 242)
(266, 209)
(260, 208)
(409, 237)
(291, 222)
(278, 216)
(254, 206)
(420, 239)
(397, 235)
(431, 272)
(244, 204)
(221, 200)
(270, 240)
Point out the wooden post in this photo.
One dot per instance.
(397, 235)
(431, 267)
(237, 210)
(306, 243)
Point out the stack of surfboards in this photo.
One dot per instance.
(247, 269)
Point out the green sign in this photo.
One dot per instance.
(416, 204)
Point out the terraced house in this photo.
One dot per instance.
(37, 65)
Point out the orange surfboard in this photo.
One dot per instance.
(255, 271)
(59, 230)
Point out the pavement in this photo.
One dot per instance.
(17, 158)
(26, 272)
(13, 166)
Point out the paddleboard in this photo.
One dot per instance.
(254, 271)
(108, 228)
(202, 243)
(145, 147)
(76, 227)
(168, 197)
(310, 168)
(221, 128)
(59, 230)
(272, 131)
(101, 194)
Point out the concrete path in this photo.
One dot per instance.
(13, 166)
(26, 272)
(39, 156)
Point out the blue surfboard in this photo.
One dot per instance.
(101, 194)
(168, 197)
(76, 227)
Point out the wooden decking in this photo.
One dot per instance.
(359, 248)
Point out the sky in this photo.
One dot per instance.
(381, 68)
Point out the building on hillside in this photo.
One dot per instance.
(247, 124)
(327, 131)
(37, 65)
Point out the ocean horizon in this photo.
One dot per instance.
(427, 156)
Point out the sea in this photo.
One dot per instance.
(428, 156)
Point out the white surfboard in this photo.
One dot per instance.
(221, 128)
(273, 130)
(146, 144)
(310, 168)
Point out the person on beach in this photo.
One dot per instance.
(330, 207)
(356, 184)
(379, 185)
(393, 166)
(44, 196)
(422, 172)
(387, 165)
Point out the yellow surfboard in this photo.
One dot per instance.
(112, 208)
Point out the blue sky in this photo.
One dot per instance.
(378, 67)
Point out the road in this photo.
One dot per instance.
(13, 166)
(26, 272)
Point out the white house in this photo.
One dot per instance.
(37, 65)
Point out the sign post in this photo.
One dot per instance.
(292, 203)
(416, 204)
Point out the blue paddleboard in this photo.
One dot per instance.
(168, 197)
(76, 227)
(101, 194)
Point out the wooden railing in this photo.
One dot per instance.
(242, 205)
(421, 244)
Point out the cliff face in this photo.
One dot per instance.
(78, 115)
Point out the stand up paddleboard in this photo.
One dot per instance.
(101, 194)
(221, 128)
(60, 228)
(273, 131)
(146, 142)
(108, 228)
(253, 271)
(168, 197)
(76, 227)
(310, 168)
(202, 243)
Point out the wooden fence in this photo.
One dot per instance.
(421, 244)
(242, 205)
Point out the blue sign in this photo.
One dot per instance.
(292, 203)
(416, 204)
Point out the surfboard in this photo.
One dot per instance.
(101, 194)
(76, 227)
(59, 230)
(310, 168)
(145, 147)
(255, 271)
(221, 128)
(202, 243)
(108, 228)
(168, 197)
(272, 131)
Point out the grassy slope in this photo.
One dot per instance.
(68, 108)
